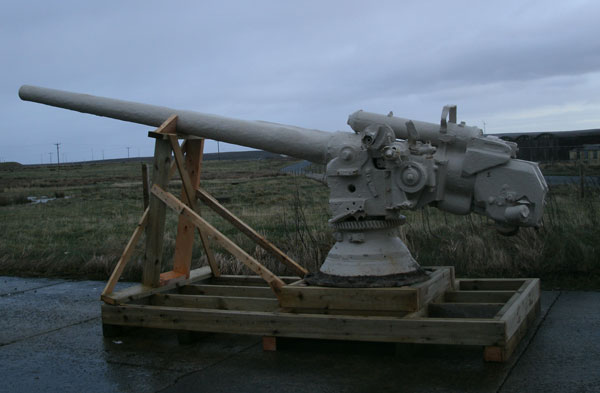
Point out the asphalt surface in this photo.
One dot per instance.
(51, 341)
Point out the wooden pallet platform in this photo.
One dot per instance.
(493, 313)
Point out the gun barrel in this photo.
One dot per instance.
(307, 144)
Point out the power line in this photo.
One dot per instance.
(57, 154)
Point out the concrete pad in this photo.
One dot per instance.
(78, 359)
(47, 308)
(14, 285)
(564, 355)
(51, 340)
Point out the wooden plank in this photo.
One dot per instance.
(440, 280)
(463, 310)
(250, 232)
(410, 298)
(145, 185)
(226, 290)
(140, 291)
(362, 313)
(502, 353)
(170, 200)
(309, 297)
(277, 324)
(190, 178)
(227, 279)
(269, 343)
(125, 256)
(488, 284)
(516, 312)
(216, 302)
(478, 296)
(169, 126)
(170, 277)
(155, 229)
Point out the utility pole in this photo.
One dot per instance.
(218, 152)
(128, 147)
(50, 154)
(57, 155)
(483, 127)
(92, 154)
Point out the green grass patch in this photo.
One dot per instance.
(82, 232)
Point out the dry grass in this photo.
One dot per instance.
(83, 236)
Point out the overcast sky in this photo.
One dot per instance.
(515, 65)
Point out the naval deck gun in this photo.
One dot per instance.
(386, 166)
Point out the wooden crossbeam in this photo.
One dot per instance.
(170, 200)
(182, 263)
(118, 270)
(221, 210)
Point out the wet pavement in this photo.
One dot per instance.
(51, 340)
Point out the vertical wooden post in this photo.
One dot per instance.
(155, 228)
(581, 181)
(184, 243)
(145, 185)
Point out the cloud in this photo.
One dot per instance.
(511, 64)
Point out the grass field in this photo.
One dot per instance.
(82, 232)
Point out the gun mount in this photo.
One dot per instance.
(387, 166)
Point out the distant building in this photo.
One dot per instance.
(586, 153)
(555, 145)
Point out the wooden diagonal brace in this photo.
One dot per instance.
(221, 210)
(170, 200)
(190, 200)
(135, 237)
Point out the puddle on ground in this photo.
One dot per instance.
(43, 199)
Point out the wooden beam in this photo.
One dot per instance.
(145, 185)
(309, 297)
(503, 353)
(226, 290)
(169, 126)
(269, 343)
(125, 256)
(221, 210)
(440, 280)
(227, 279)
(491, 284)
(517, 308)
(190, 178)
(278, 324)
(141, 291)
(463, 310)
(215, 302)
(155, 228)
(170, 200)
(408, 298)
(478, 296)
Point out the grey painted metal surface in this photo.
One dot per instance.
(387, 166)
(307, 144)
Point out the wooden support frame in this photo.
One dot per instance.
(215, 305)
(189, 167)
(170, 200)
